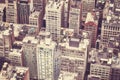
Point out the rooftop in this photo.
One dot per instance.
(35, 14)
(67, 76)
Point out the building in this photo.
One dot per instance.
(36, 18)
(10, 72)
(15, 57)
(66, 13)
(23, 11)
(75, 16)
(11, 11)
(2, 13)
(87, 6)
(110, 28)
(91, 25)
(74, 54)
(29, 55)
(68, 76)
(39, 5)
(54, 18)
(47, 60)
(104, 64)
(5, 43)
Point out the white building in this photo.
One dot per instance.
(46, 60)
(54, 17)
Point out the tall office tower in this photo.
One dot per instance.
(29, 55)
(46, 60)
(6, 42)
(10, 72)
(87, 6)
(75, 16)
(36, 18)
(11, 11)
(39, 5)
(2, 12)
(74, 54)
(15, 57)
(91, 24)
(23, 11)
(54, 18)
(66, 13)
(110, 28)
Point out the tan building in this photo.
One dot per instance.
(74, 55)
(5, 43)
(16, 57)
(104, 64)
(10, 72)
(11, 11)
(87, 6)
(36, 18)
(75, 16)
(110, 28)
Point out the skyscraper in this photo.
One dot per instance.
(110, 28)
(29, 55)
(46, 60)
(75, 16)
(54, 17)
(39, 5)
(11, 11)
(91, 25)
(36, 18)
(23, 11)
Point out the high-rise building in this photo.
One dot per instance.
(54, 18)
(6, 43)
(66, 13)
(11, 11)
(23, 11)
(75, 16)
(29, 55)
(74, 55)
(91, 25)
(39, 5)
(36, 18)
(87, 6)
(15, 57)
(46, 60)
(110, 28)
(2, 12)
